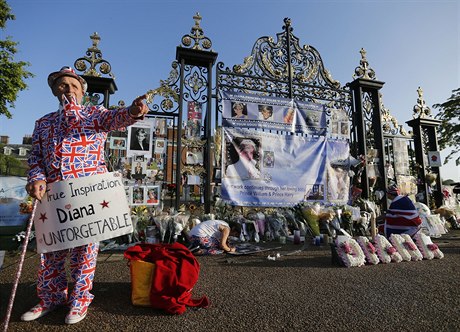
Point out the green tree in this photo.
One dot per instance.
(449, 131)
(12, 73)
(9, 165)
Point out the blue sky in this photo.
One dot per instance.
(408, 43)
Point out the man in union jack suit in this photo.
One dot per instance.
(69, 143)
(402, 216)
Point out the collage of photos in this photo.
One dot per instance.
(245, 111)
(139, 170)
(194, 116)
(306, 116)
(143, 195)
(340, 124)
(142, 161)
(144, 138)
(285, 114)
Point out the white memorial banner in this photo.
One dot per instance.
(270, 170)
(79, 211)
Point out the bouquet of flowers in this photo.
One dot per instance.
(310, 213)
(398, 242)
(428, 249)
(26, 206)
(171, 189)
(386, 252)
(412, 249)
(349, 251)
(369, 250)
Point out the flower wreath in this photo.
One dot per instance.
(349, 251)
(415, 254)
(369, 250)
(428, 249)
(386, 252)
(398, 242)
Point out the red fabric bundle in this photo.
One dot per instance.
(176, 272)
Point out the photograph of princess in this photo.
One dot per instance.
(265, 112)
(289, 115)
(239, 110)
(152, 195)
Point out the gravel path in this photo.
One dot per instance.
(299, 292)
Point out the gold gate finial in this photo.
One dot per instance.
(420, 109)
(96, 39)
(364, 71)
(93, 59)
(196, 34)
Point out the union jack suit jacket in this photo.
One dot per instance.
(69, 143)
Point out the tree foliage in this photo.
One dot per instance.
(449, 131)
(9, 165)
(12, 73)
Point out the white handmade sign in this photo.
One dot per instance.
(79, 211)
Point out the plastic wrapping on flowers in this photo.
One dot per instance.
(310, 212)
(141, 219)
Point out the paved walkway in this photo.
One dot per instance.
(298, 292)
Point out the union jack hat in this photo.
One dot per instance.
(393, 190)
(66, 71)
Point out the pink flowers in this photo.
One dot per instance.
(371, 247)
(391, 250)
(349, 251)
(432, 246)
(410, 245)
(370, 251)
(347, 248)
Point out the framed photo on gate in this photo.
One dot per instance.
(118, 143)
(152, 196)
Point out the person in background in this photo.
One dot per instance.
(56, 137)
(402, 216)
(212, 236)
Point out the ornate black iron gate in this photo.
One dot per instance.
(283, 68)
(279, 68)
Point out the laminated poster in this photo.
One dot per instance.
(79, 211)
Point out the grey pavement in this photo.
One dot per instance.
(303, 291)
